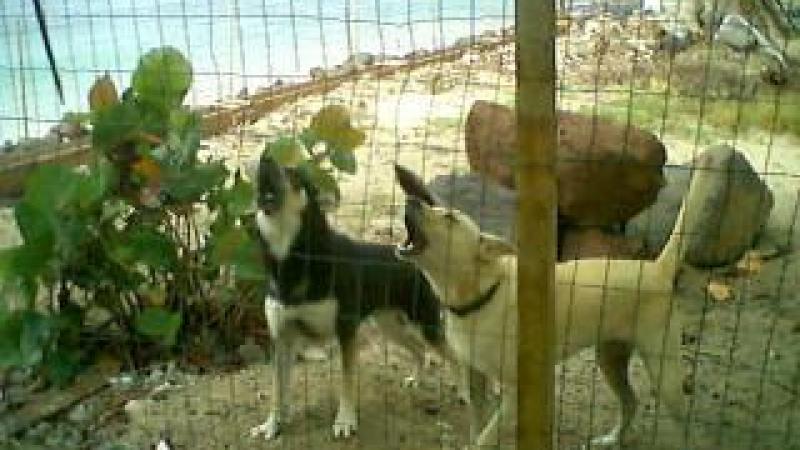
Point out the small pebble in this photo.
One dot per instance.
(79, 414)
(432, 409)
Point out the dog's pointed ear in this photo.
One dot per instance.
(413, 186)
(492, 247)
(268, 168)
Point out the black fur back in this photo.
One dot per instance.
(362, 277)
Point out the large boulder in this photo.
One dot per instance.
(654, 225)
(494, 207)
(728, 205)
(606, 172)
(592, 242)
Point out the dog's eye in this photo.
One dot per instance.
(449, 215)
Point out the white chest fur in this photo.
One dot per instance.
(278, 232)
(318, 318)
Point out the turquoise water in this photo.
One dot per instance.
(231, 43)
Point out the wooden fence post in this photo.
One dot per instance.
(536, 221)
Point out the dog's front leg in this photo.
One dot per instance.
(476, 393)
(464, 389)
(490, 436)
(284, 356)
(346, 421)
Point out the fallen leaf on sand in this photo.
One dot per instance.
(751, 263)
(719, 291)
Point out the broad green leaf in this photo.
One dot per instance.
(184, 138)
(115, 125)
(234, 247)
(21, 285)
(287, 151)
(321, 178)
(332, 125)
(7, 271)
(62, 365)
(239, 199)
(344, 160)
(191, 184)
(144, 245)
(159, 324)
(93, 187)
(10, 330)
(162, 78)
(38, 230)
(35, 335)
(308, 138)
(52, 187)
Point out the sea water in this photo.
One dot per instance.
(233, 44)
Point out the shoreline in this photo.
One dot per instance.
(218, 118)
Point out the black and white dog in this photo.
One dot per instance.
(325, 284)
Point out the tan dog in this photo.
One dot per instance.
(616, 306)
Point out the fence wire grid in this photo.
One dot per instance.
(657, 102)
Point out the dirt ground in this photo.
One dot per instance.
(742, 352)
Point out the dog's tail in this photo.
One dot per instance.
(671, 256)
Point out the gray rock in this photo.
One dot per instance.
(728, 205)
(357, 61)
(492, 206)
(654, 224)
(675, 40)
(156, 376)
(464, 42)
(39, 431)
(317, 73)
(737, 33)
(20, 376)
(16, 395)
(80, 414)
(123, 381)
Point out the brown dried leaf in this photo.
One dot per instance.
(332, 124)
(720, 291)
(751, 263)
(103, 93)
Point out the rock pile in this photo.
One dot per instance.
(606, 172)
(729, 208)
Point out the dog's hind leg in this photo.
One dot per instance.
(662, 359)
(613, 359)
(476, 392)
(490, 436)
(346, 421)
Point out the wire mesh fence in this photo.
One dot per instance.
(134, 306)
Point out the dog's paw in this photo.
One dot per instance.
(269, 429)
(345, 424)
(609, 440)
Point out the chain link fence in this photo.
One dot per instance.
(657, 102)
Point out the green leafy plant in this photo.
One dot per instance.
(126, 237)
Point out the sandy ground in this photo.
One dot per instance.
(742, 352)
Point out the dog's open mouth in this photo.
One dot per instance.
(416, 241)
